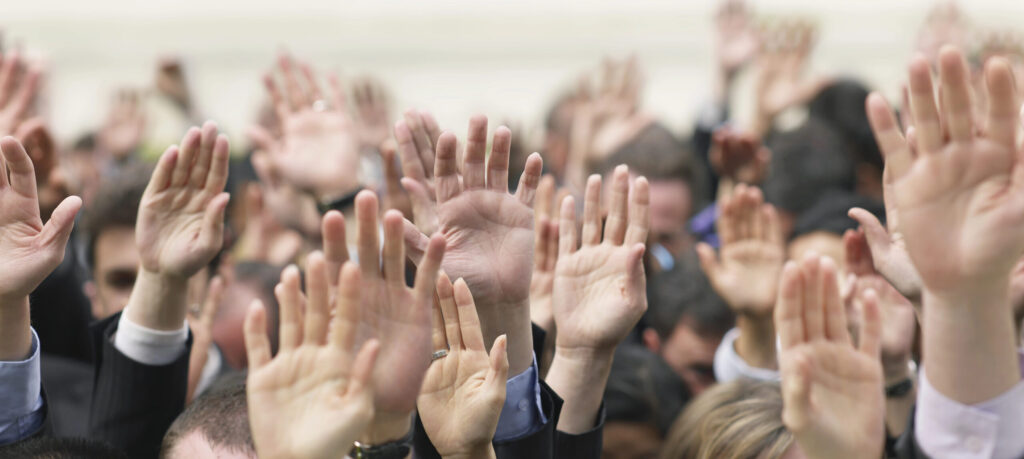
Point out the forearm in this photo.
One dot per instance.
(970, 353)
(579, 376)
(15, 332)
(158, 301)
(387, 427)
(756, 343)
(512, 319)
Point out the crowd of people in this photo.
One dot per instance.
(842, 277)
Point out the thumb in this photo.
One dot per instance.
(415, 242)
(497, 375)
(874, 231)
(57, 230)
(708, 259)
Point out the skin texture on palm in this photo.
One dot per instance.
(318, 151)
(463, 393)
(600, 293)
(957, 187)
(316, 381)
(489, 232)
(832, 389)
(31, 249)
(180, 226)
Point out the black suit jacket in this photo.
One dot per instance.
(545, 443)
(134, 404)
(68, 384)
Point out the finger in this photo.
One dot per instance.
(10, 65)
(257, 345)
(337, 93)
(287, 294)
(212, 234)
(186, 157)
(757, 223)
(362, 367)
(165, 166)
(57, 230)
(544, 206)
(552, 246)
(335, 246)
(421, 200)
(204, 155)
(430, 265)
(708, 260)
(773, 228)
(592, 211)
(1003, 114)
(297, 97)
(281, 107)
(439, 322)
(956, 95)
(615, 225)
(421, 139)
(567, 227)
(813, 305)
(726, 224)
(450, 313)
(529, 180)
(412, 162)
(922, 105)
(497, 376)
(876, 234)
(476, 153)
(394, 249)
(446, 179)
(433, 129)
(415, 242)
(635, 270)
(796, 392)
(871, 324)
(27, 90)
(540, 243)
(311, 84)
(217, 179)
(789, 307)
(497, 164)
(367, 243)
(835, 314)
(346, 307)
(469, 322)
(639, 212)
(19, 166)
(317, 314)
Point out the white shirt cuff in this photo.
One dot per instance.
(149, 346)
(730, 366)
(991, 429)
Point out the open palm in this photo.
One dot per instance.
(599, 288)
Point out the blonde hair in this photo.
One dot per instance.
(737, 420)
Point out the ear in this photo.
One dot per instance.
(651, 340)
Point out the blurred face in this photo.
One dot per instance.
(692, 356)
(671, 206)
(821, 242)
(116, 263)
(227, 327)
(630, 440)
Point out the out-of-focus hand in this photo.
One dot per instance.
(752, 254)
(782, 61)
(200, 322)
(318, 151)
(289, 206)
(736, 40)
(262, 237)
(19, 85)
(316, 383)
(739, 156)
(489, 233)
(122, 132)
(545, 254)
(831, 388)
(463, 392)
(171, 81)
(417, 135)
(373, 112)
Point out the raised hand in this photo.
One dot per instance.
(831, 389)
(782, 61)
(122, 132)
(747, 275)
(373, 111)
(739, 156)
(599, 294)
(957, 186)
(316, 381)
(545, 254)
(397, 315)
(417, 136)
(489, 233)
(736, 40)
(19, 84)
(464, 391)
(318, 151)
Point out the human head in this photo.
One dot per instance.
(841, 104)
(686, 321)
(216, 425)
(736, 420)
(643, 397)
(820, 228)
(252, 280)
(46, 447)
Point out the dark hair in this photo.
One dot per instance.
(220, 416)
(656, 153)
(807, 162)
(829, 213)
(43, 447)
(685, 292)
(841, 104)
(116, 205)
(642, 388)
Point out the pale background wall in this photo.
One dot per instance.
(507, 59)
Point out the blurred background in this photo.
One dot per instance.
(507, 59)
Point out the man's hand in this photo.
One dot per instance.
(489, 233)
(961, 210)
(396, 315)
(29, 250)
(314, 398)
(318, 152)
(463, 392)
(831, 389)
(599, 294)
(180, 227)
(739, 156)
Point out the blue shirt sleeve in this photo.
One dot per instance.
(21, 402)
(522, 414)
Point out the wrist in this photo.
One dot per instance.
(158, 300)
(756, 341)
(15, 329)
(387, 427)
(511, 319)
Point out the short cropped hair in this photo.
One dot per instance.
(60, 448)
(829, 213)
(116, 205)
(643, 388)
(685, 292)
(220, 416)
(807, 162)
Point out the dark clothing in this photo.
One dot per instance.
(68, 384)
(61, 313)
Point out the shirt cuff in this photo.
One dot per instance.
(946, 428)
(730, 366)
(148, 346)
(21, 403)
(522, 414)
